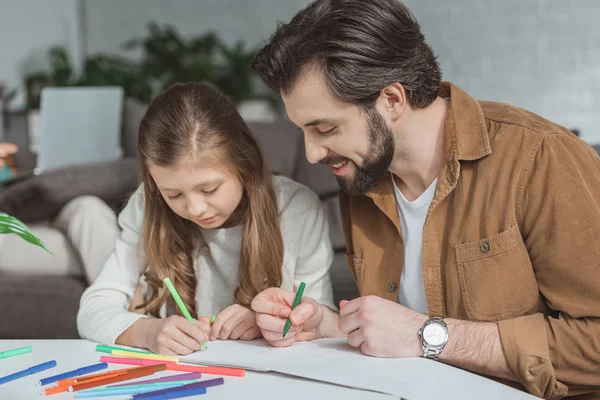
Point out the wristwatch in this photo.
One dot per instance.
(433, 335)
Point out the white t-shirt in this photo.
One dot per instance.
(412, 218)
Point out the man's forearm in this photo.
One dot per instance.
(476, 346)
(329, 327)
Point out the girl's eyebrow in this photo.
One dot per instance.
(209, 182)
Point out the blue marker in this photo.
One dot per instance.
(29, 371)
(75, 372)
(167, 393)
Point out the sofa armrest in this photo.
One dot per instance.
(43, 196)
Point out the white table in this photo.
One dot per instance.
(72, 354)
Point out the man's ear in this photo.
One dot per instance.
(392, 101)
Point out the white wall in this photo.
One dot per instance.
(27, 29)
(542, 55)
(111, 22)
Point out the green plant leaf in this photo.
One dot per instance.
(10, 224)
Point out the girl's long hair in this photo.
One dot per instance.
(188, 120)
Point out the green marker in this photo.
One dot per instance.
(15, 352)
(288, 323)
(212, 319)
(108, 349)
(179, 302)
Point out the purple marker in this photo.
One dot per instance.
(180, 377)
(203, 384)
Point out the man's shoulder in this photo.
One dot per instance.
(507, 116)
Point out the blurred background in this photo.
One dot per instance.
(57, 56)
(543, 55)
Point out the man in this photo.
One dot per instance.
(472, 228)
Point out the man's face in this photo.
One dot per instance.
(357, 145)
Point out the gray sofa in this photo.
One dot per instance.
(46, 306)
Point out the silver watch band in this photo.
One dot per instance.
(433, 353)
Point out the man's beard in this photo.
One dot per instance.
(376, 162)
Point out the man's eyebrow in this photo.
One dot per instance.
(318, 121)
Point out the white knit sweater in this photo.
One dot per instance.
(308, 254)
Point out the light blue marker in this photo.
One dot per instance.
(121, 391)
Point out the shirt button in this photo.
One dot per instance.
(485, 247)
(391, 287)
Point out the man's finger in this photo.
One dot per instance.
(302, 313)
(349, 307)
(356, 338)
(270, 323)
(275, 336)
(267, 306)
(349, 323)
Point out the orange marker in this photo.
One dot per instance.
(207, 370)
(54, 390)
(139, 372)
(102, 375)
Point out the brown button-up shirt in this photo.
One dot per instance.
(512, 235)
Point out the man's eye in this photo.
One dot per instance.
(325, 133)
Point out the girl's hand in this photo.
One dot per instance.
(175, 335)
(235, 322)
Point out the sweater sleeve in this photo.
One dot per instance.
(306, 216)
(103, 314)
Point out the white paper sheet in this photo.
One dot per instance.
(333, 361)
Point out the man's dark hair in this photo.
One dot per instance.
(360, 46)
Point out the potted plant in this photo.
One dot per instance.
(10, 224)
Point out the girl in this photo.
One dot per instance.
(211, 216)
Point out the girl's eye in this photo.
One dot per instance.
(173, 197)
(210, 191)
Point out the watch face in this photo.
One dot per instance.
(435, 334)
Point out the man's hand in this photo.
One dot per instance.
(381, 328)
(234, 322)
(7, 149)
(273, 307)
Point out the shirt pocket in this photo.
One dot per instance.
(357, 266)
(496, 277)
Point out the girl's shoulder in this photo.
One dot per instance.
(133, 212)
(294, 198)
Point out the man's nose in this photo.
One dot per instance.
(315, 151)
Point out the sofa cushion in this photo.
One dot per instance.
(42, 197)
(39, 307)
(133, 112)
(279, 142)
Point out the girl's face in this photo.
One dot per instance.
(206, 195)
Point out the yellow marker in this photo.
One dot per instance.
(130, 354)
